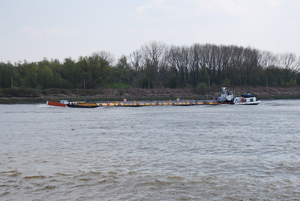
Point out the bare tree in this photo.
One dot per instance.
(287, 61)
(290, 64)
(109, 57)
(266, 59)
(178, 58)
(153, 55)
(136, 60)
(195, 63)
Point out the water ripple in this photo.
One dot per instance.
(150, 153)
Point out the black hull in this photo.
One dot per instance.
(80, 106)
(131, 105)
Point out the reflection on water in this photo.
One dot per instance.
(223, 152)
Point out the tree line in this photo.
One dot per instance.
(157, 65)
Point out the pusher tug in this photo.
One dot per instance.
(248, 99)
(227, 97)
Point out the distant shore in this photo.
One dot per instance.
(139, 94)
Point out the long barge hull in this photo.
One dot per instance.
(131, 104)
(136, 104)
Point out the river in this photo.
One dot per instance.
(222, 152)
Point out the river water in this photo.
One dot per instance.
(222, 152)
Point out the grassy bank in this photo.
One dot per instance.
(27, 96)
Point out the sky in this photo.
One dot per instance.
(32, 30)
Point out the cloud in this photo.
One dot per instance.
(55, 32)
(233, 7)
(31, 31)
(198, 7)
(155, 4)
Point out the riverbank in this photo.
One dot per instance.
(153, 94)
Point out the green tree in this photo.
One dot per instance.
(124, 73)
(31, 75)
(147, 83)
(174, 82)
(6, 75)
(71, 74)
(45, 77)
(97, 70)
(205, 78)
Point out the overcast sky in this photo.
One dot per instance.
(58, 29)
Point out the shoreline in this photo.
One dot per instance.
(263, 93)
